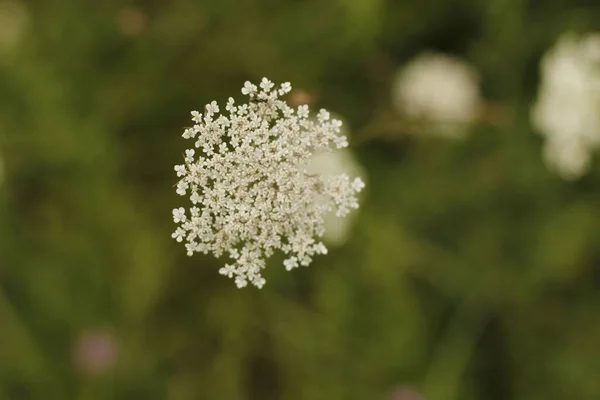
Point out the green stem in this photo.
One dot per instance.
(25, 356)
(455, 350)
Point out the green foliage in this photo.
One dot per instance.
(472, 271)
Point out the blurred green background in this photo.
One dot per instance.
(471, 272)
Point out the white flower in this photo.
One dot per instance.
(228, 270)
(439, 89)
(303, 111)
(285, 88)
(291, 263)
(323, 115)
(266, 85)
(212, 108)
(230, 105)
(567, 109)
(196, 117)
(179, 234)
(179, 215)
(259, 282)
(182, 187)
(189, 155)
(188, 133)
(249, 88)
(180, 169)
(241, 282)
(253, 192)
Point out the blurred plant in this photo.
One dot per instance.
(439, 90)
(300, 97)
(1, 169)
(95, 352)
(131, 21)
(253, 186)
(567, 110)
(405, 393)
(13, 21)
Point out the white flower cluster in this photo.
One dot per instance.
(329, 163)
(249, 184)
(440, 90)
(567, 110)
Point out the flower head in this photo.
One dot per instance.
(439, 89)
(250, 185)
(567, 110)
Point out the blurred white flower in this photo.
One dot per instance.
(570, 159)
(13, 21)
(440, 90)
(329, 163)
(249, 186)
(567, 109)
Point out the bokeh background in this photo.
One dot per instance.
(471, 271)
